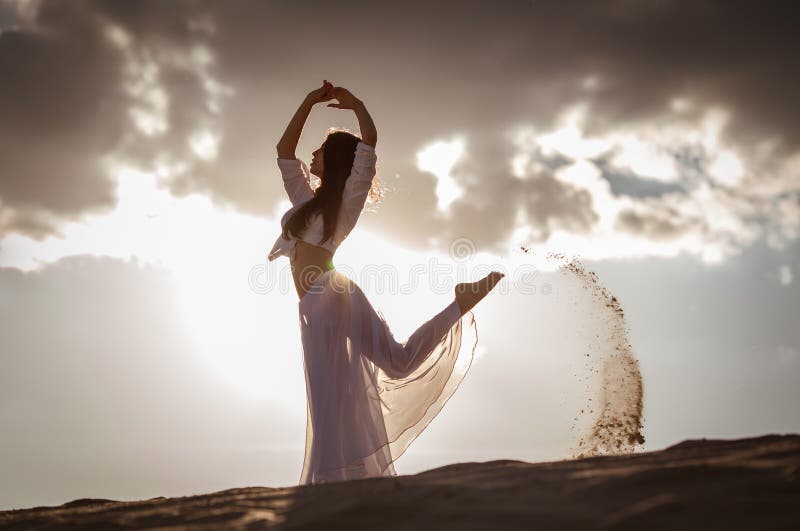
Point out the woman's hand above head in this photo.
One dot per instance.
(287, 145)
(324, 93)
(346, 99)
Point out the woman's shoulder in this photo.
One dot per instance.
(364, 149)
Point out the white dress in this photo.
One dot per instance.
(369, 396)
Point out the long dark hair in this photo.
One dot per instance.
(339, 152)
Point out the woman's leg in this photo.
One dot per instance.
(400, 359)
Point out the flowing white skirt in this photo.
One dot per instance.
(370, 396)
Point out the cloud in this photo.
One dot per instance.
(200, 92)
(88, 84)
(568, 190)
(438, 159)
(653, 224)
(60, 112)
(702, 211)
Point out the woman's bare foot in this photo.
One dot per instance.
(469, 293)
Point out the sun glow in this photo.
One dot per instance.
(238, 310)
(439, 159)
(210, 254)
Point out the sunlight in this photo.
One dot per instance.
(438, 159)
(209, 253)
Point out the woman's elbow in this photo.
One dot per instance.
(284, 152)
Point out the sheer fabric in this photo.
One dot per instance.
(370, 396)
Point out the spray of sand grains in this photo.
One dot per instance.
(611, 420)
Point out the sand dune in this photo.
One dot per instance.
(705, 484)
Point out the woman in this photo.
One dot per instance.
(369, 396)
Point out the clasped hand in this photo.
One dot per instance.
(328, 92)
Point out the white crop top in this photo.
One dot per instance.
(296, 177)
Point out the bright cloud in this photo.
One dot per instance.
(713, 210)
(205, 144)
(438, 158)
(645, 159)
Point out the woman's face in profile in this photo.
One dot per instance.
(317, 165)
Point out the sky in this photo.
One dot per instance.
(148, 347)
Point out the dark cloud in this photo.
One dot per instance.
(654, 224)
(60, 111)
(65, 105)
(425, 70)
(429, 71)
(496, 196)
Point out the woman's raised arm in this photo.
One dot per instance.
(369, 135)
(287, 145)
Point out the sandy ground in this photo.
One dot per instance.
(706, 484)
